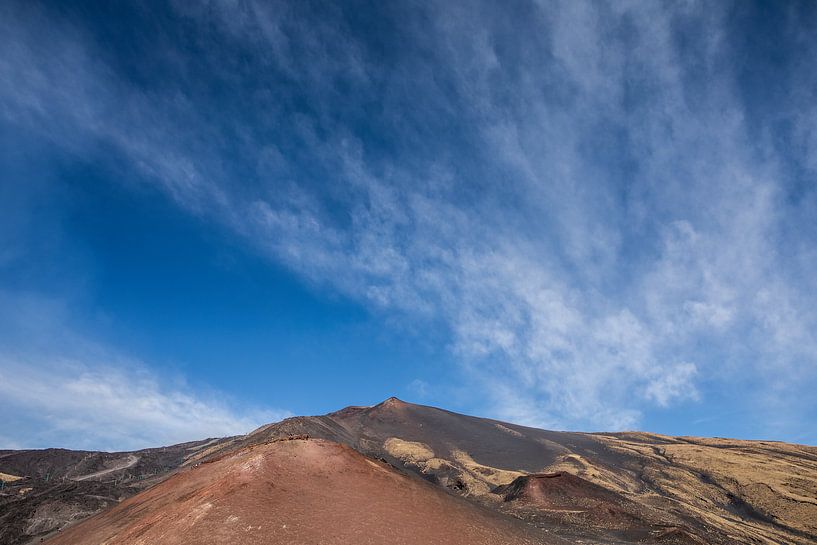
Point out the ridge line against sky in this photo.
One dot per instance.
(595, 216)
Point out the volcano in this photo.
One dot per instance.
(398, 472)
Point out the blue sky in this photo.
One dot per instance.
(572, 215)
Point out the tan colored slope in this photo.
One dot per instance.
(9, 478)
(298, 491)
(753, 491)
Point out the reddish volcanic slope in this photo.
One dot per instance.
(298, 491)
(560, 498)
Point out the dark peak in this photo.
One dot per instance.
(354, 410)
(392, 401)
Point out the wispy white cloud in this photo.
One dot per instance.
(112, 407)
(419, 388)
(59, 388)
(602, 231)
(675, 383)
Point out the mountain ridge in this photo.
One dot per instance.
(637, 486)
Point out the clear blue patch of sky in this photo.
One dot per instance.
(183, 295)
